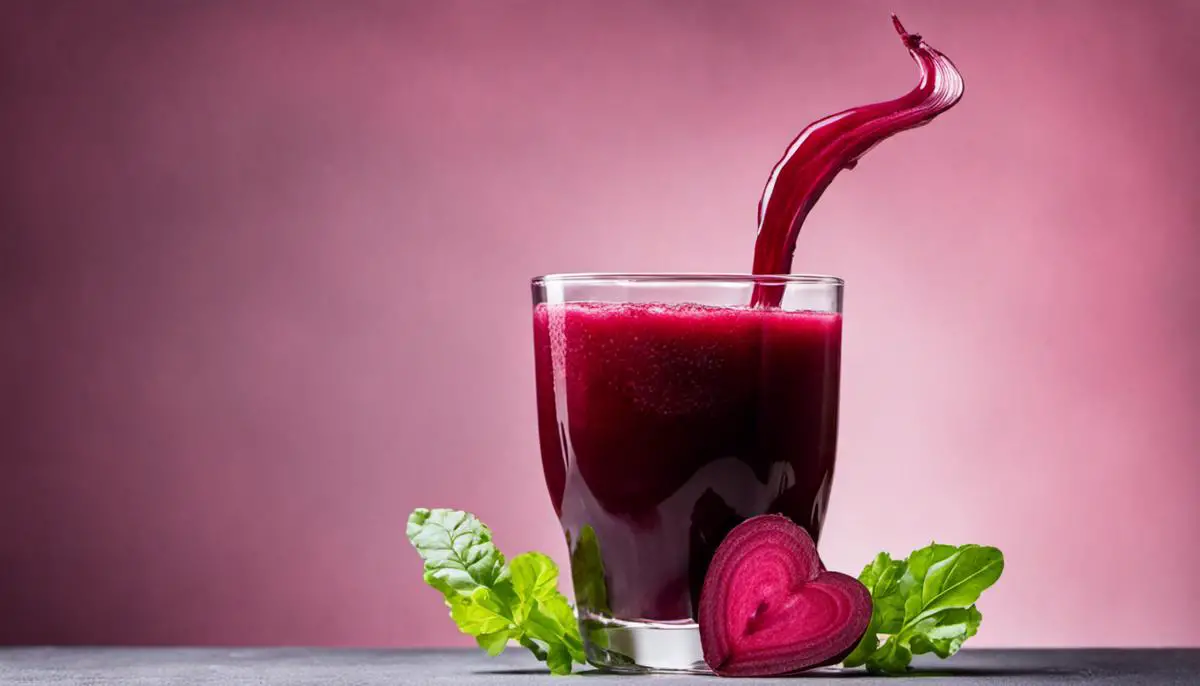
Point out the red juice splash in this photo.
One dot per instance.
(829, 145)
(663, 426)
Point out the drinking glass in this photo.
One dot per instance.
(671, 407)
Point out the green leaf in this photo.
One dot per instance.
(561, 647)
(919, 562)
(479, 614)
(559, 659)
(532, 646)
(943, 633)
(493, 644)
(490, 600)
(890, 607)
(960, 579)
(925, 604)
(561, 611)
(865, 648)
(541, 611)
(534, 576)
(891, 658)
(882, 578)
(587, 572)
(457, 549)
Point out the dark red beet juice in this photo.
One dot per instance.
(827, 146)
(678, 423)
(663, 426)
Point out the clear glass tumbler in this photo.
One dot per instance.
(670, 408)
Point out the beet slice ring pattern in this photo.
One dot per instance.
(769, 607)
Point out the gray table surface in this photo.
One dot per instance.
(340, 667)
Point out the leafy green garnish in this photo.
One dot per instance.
(587, 572)
(490, 600)
(924, 604)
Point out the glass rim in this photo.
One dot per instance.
(689, 277)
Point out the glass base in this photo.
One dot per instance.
(640, 647)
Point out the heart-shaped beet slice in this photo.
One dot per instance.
(768, 607)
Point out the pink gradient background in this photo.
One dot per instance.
(263, 290)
